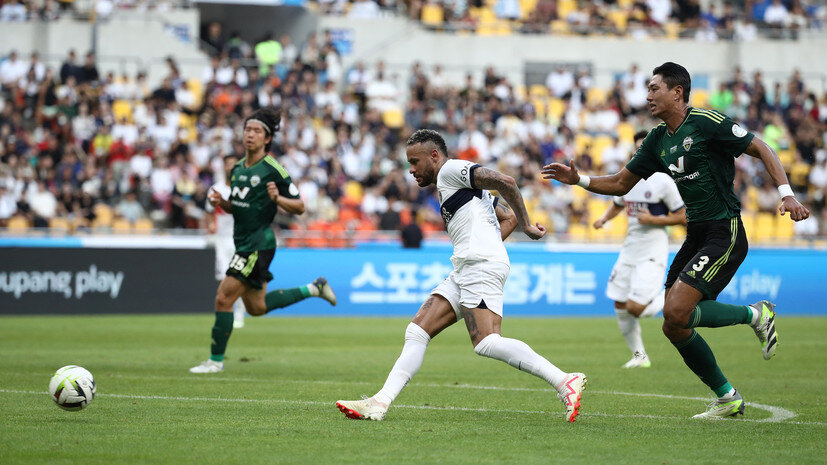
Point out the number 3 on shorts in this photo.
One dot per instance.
(701, 263)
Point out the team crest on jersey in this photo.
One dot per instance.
(648, 194)
(687, 143)
(255, 180)
(738, 131)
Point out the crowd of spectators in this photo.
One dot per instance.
(73, 139)
(707, 21)
(51, 10)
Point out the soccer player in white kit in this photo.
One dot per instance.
(477, 223)
(636, 282)
(220, 224)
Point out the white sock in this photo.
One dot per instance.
(406, 366)
(729, 394)
(313, 290)
(630, 328)
(655, 305)
(238, 310)
(756, 316)
(519, 355)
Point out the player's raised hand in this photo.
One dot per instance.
(535, 232)
(797, 211)
(273, 191)
(214, 197)
(561, 172)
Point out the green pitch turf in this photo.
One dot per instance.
(274, 403)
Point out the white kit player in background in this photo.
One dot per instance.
(477, 225)
(636, 282)
(220, 224)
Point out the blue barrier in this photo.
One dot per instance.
(389, 281)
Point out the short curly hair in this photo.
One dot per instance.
(428, 135)
(271, 118)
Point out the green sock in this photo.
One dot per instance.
(712, 314)
(220, 335)
(281, 298)
(699, 358)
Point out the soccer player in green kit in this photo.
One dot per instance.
(697, 149)
(259, 186)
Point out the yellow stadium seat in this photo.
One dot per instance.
(520, 92)
(122, 109)
(144, 226)
(595, 95)
(526, 7)
(626, 132)
(121, 225)
(699, 98)
(18, 224)
(354, 190)
(625, 4)
(600, 144)
(558, 26)
(677, 233)
(393, 118)
(764, 227)
(787, 157)
(750, 199)
(784, 227)
(197, 87)
(539, 106)
(749, 224)
(103, 216)
(619, 18)
(597, 206)
(556, 108)
(581, 141)
(565, 8)
(58, 224)
(538, 90)
(672, 29)
(578, 232)
(432, 14)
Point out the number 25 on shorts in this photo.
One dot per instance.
(701, 263)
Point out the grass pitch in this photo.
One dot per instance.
(274, 403)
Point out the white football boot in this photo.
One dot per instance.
(639, 360)
(569, 392)
(765, 328)
(208, 366)
(365, 409)
(723, 407)
(325, 291)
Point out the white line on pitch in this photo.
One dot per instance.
(418, 407)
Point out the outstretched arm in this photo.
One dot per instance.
(611, 212)
(759, 149)
(485, 178)
(670, 219)
(507, 219)
(619, 183)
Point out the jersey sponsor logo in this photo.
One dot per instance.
(678, 167)
(738, 131)
(255, 180)
(293, 190)
(242, 177)
(688, 177)
(239, 192)
(687, 144)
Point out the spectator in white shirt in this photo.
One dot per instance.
(560, 82)
(659, 10)
(13, 12)
(12, 70)
(364, 9)
(776, 14)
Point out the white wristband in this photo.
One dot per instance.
(785, 190)
(585, 181)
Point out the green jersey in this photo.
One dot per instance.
(253, 211)
(700, 157)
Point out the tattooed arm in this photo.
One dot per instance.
(507, 219)
(484, 178)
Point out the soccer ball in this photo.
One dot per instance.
(72, 387)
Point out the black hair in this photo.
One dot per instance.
(428, 135)
(640, 135)
(271, 117)
(673, 75)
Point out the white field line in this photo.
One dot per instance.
(775, 418)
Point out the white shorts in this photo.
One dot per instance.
(224, 250)
(640, 282)
(472, 283)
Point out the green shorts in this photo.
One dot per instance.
(252, 268)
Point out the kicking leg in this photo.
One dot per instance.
(434, 315)
(484, 329)
(228, 292)
(260, 302)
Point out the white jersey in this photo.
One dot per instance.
(223, 220)
(659, 195)
(469, 215)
